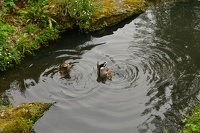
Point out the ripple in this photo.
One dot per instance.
(79, 83)
(125, 75)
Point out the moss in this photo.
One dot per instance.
(113, 12)
(107, 7)
(21, 118)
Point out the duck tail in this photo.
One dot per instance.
(98, 68)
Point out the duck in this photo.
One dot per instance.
(64, 68)
(103, 71)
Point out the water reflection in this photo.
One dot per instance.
(177, 85)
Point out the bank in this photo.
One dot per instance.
(26, 26)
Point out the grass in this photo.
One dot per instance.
(192, 121)
(8, 53)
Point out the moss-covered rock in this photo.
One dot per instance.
(20, 119)
(115, 11)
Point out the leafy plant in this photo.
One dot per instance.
(8, 5)
(164, 130)
(31, 29)
(82, 11)
(30, 122)
(8, 57)
(79, 10)
(8, 53)
(46, 35)
(38, 13)
(192, 122)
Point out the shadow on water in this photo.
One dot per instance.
(154, 60)
(110, 30)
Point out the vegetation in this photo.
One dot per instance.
(192, 122)
(20, 119)
(27, 25)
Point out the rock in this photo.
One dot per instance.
(20, 119)
(115, 11)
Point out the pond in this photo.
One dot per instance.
(154, 59)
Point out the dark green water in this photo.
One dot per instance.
(155, 63)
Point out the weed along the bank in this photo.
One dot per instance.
(191, 121)
(27, 25)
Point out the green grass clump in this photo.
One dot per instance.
(38, 12)
(79, 11)
(8, 53)
(82, 11)
(192, 122)
(46, 34)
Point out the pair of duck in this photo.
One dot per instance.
(102, 70)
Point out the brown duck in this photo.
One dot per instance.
(64, 68)
(103, 71)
